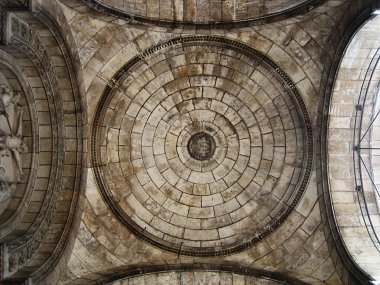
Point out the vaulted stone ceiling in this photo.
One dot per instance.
(202, 11)
(176, 155)
(41, 142)
(192, 137)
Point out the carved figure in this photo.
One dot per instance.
(11, 143)
(11, 140)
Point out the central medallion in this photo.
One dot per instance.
(201, 146)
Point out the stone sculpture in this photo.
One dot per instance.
(11, 142)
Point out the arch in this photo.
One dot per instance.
(11, 217)
(220, 271)
(347, 193)
(35, 239)
(216, 14)
(250, 13)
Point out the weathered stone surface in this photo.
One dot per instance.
(199, 133)
(201, 11)
(356, 209)
(218, 198)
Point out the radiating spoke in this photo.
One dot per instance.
(370, 177)
(369, 127)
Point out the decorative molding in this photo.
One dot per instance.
(17, 27)
(21, 250)
(270, 18)
(53, 259)
(229, 267)
(9, 6)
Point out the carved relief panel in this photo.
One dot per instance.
(12, 145)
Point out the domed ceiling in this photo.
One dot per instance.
(202, 11)
(164, 153)
(203, 147)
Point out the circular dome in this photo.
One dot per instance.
(203, 146)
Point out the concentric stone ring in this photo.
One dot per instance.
(204, 147)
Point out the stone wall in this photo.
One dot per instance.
(343, 169)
